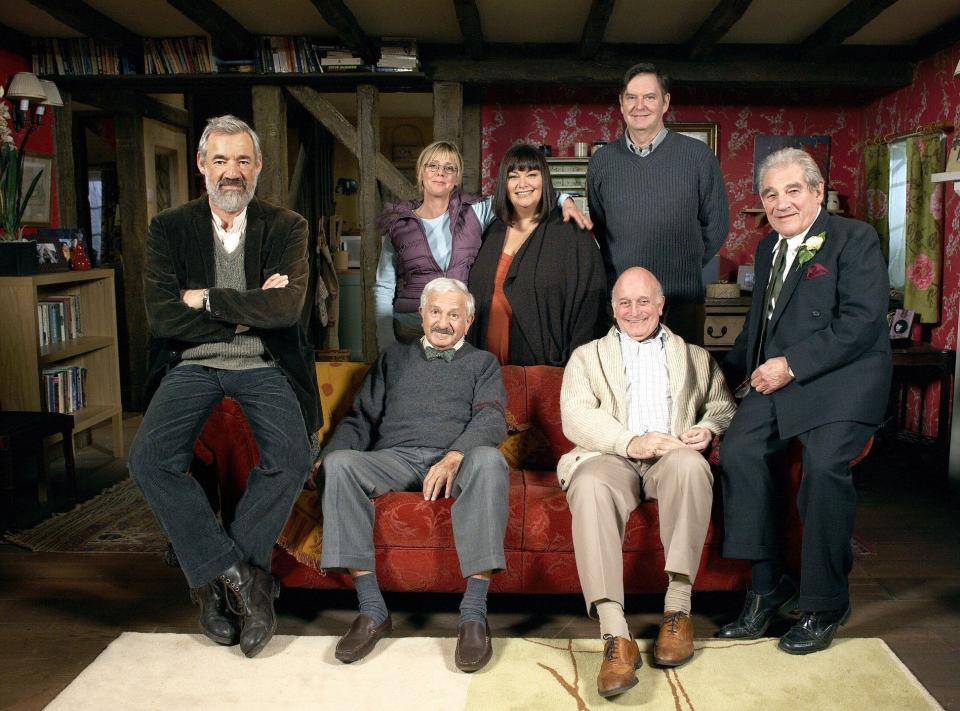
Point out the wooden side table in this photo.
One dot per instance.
(26, 431)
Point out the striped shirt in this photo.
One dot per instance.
(648, 387)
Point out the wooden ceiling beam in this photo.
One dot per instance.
(595, 27)
(93, 23)
(336, 14)
(468, 16)
(844, 23)
(716, 26)
(946, 35)
(230, 39)
(14, 41)
(136, 102)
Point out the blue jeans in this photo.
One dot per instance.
(162, 453)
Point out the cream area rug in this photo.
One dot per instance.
(176, 671)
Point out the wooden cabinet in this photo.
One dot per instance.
(22, 358)
(723, 322)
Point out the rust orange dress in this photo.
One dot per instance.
(498, 326)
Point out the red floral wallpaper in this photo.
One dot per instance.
(578, 116)
(41, 142)
(933, 96)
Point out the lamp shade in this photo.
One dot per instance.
(52, 93)
(25, 85)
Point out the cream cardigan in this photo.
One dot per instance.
(593, 405)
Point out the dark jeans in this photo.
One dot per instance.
(162, 453)
(826, 500)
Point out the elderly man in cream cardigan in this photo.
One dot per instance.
(642, 406)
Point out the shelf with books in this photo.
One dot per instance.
(90, 356)
(78, 56)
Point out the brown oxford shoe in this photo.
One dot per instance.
(618, 672)
(361, 638)
(674, 645)
(474, 648)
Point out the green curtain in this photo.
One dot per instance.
(877, 159)
(924, 240)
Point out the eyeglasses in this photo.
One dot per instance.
(448, 169)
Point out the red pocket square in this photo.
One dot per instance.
(816, 270)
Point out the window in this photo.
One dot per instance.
(897, 214)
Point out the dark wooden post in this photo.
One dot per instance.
(67, 213)
(270, 120)
(368, 148)
(448, 112)
(132, 181)
(471, 148)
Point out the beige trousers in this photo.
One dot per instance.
(603, 492)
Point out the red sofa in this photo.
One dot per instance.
(414, 538)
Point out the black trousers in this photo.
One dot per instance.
(826, 500)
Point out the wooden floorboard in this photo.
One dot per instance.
(58, 611)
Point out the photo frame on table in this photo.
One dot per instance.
(37, 211)
(52, 255)
(705, 131)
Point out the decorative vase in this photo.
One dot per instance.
(18, 258)
(79, 261)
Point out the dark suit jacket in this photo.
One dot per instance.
(830, 324)
(556, 287)
(180, 255)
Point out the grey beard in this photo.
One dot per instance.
(231, 200)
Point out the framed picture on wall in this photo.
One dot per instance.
(817, 146)
(37, 211)
(705, 131)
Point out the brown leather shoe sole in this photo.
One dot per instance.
(361, 638)
(619, 689)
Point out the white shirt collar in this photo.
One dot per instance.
(230, 239)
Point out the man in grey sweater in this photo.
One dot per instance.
(657, 200)
(428, 416)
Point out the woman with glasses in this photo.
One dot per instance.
(539, 282)
(438, 234)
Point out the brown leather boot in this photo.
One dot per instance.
(674, 645)
(618, 672)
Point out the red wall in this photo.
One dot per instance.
(578, 116)
(41, 141)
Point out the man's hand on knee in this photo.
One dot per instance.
(697, 438)
(440, 477)
(652, 445)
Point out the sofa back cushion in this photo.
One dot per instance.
(536, 438)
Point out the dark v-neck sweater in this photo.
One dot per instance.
(667, 211)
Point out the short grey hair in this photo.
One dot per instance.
(441, 285)
(228, 124)
(792, 156)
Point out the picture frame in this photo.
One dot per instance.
(52, 254)
(817, 146)
(901, 325)
(37, 210)
(705, 131)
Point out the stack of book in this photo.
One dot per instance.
(340, 59)
(64, 388)
(279, 54)
(77, 55)
(398, 54)
(177, 55)
(58, 319)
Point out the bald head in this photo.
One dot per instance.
(638, 303)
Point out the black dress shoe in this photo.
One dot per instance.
(250, 595)
(474, 647)
(814, 632)
(216, 621)
(758, 611)
(361, 638)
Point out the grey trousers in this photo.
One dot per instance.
(350, 479)
(605, 490)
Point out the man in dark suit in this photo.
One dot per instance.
(817, 357)
(224, 283)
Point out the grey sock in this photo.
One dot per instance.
(474, 603)
(371, 601)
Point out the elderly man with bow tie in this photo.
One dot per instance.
(428, 416)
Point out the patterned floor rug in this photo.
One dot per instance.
(174, 671)
(115, 521)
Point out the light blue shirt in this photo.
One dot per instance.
(440, 241)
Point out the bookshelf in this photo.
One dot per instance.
(22, 358)
(569, 175)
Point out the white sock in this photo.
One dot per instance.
(678, 593)
(612, 621)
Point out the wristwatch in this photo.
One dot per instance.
(206, 300)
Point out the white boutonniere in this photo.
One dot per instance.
(810, 246)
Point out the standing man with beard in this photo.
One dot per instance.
(224, 284)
